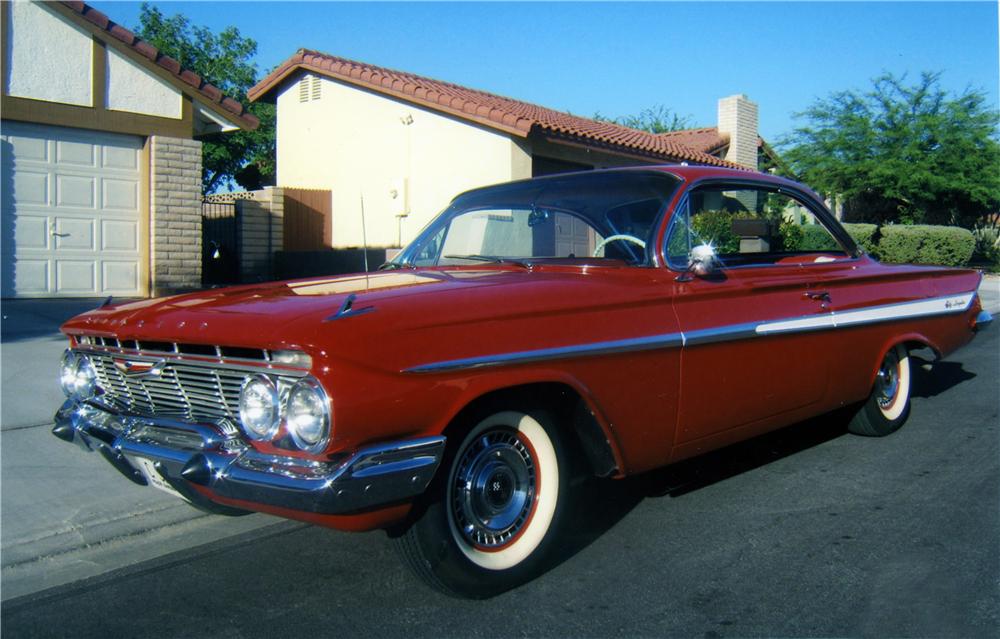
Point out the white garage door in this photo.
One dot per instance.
(71, 212)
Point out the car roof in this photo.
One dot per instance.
(687, 173)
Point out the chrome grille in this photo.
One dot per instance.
(182, 389)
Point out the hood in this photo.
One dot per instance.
(293, 314)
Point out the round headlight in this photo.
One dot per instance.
(259, 407)
(67, 373)
(86, 378)
(307, 412)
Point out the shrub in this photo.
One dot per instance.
(922, 244)
(791, 236)
(987, 245)
(815, 237)
(864, 236)
(716, 227)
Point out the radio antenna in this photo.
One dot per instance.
(364, 234)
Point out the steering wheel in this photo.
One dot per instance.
(611, 238)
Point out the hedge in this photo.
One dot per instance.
(864, 236)
(813, 237)
(899, 243)
(924, 244)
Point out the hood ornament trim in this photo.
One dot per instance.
(347, 309)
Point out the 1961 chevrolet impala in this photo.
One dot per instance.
(607, 323)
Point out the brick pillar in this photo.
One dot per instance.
(738, 119)
(261, 233)
(175, 226)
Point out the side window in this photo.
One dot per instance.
(751, 226)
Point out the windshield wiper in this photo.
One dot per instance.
(488, 258)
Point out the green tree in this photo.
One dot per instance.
(225, 60)
(901, 152)
(657, 119)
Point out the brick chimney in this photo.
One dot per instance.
(738, 118)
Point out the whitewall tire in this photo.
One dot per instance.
(888, 406)
(500, 500)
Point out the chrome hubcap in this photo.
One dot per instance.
(888, 380)
(494, 489)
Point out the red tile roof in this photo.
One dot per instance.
(494, 111)
(706, 140)
(207, 92)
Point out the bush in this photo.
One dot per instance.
(922, 244)
(716, 227)
(987, 245)
(864, 236)
(815, 237)
(791, 236)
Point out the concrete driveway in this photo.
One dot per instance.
(67, 515)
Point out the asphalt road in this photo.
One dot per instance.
(806, 532)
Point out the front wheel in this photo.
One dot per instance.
(887, 408)
(490, 521)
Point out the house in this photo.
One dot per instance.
(101, 176)
(393, 147)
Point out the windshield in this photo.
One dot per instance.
(609, 215)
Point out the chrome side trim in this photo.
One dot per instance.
(947, 305)
(717, 334)
(872, 315)
(667, 340)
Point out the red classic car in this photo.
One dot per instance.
(607, 323)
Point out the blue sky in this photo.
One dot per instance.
(619, 58)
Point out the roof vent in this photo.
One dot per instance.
(310, 88)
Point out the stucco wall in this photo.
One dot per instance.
(134, 90)
(49, 58)
(357, 143)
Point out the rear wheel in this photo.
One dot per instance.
(494, 512)
(887, 408)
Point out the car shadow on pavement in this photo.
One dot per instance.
(932, 378)
(605, 502)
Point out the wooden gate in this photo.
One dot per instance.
(307, 220)
(220, 243)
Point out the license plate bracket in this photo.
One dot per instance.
(148, 468)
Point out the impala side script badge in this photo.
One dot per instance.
(133, 368)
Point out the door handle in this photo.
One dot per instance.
(54, 234)
(822, 297)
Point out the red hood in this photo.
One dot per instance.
(300, 314)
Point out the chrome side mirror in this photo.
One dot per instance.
(702, 262)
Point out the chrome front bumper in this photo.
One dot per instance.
(216, 457)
